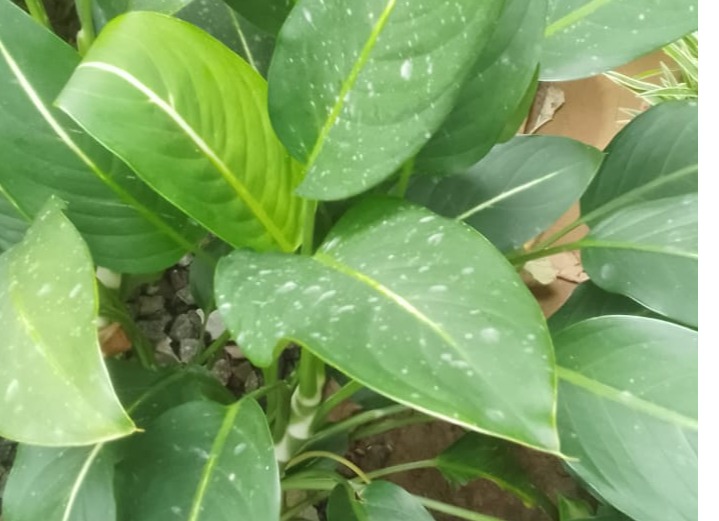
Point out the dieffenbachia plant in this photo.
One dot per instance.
(356, 160)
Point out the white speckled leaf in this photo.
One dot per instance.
(54, 387)
(587, 37)
(356, 88)
(417, 307)
(201, 461)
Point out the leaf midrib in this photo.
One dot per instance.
(575, 16)
(631, 401)
(225, 172)
(125, 196)
(349, 82)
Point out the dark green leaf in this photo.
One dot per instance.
(378, 501)
(106, 10)
(649, 251)
(586, 37)
(126, 225)
(265, 14)
(202, 275)
(589, 301)
(475, 456)
(444, 326)
(517, 191)
(222, 22)
(183, 133)
(628, 412)
(354, 110)
(655, 156)
(204, 462)
(573, 509)
(13, 224)
(55, 387)
(68, 484)
(493, 92)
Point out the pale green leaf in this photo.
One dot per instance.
(378, 501)
(190, 117)
(416, 307)
(128, 227)
(628, 413)
(587, 37)
(54, 387)
(493, 92)
(356, 88)
(649, 251)
(517, 191)
(201, 462)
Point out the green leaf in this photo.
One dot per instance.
(55, 388)
(355, 110)
(628, 412)
(649, 252)
(587, 37)
(268, 15)
(655, 156)
(201, 461)
(573, 509)
(225, 24)
(474, 456)
(446, 326)
(13, 224)
(202, 275)
(44, 484)
(128, 227)
(106, 10)
(76, 484)
(378, 501)
(493, 92)
(517, 191)
(204, 141)
(588, 301)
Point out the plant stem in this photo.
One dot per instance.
(558, 235)
(403, 467)
(404, 175)
(329, 455)
(452, 510)
(389, 425)
(38, 12)
(355, 421)
(336, 399)
(519, 260)
(86, 35)
(220, 342)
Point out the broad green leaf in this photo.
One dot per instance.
(202, 140)
(126, 225)
(225, 24)
(474, 456)
(416, 307)
(649, 252)
(202, 275)
(514, 122)
(587, 37)
(492, 93)
(201, 461)
(628, 412)
(517, 191)
(588, 301)
(61, 484)
(54, 385)
(13, 224)
(77, 484)
(356, 88)
(655, 156)
(268, 15)
(378, 501)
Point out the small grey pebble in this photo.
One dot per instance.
(243, 371)
(185, 261)
(154, 330)
(186, 325)
(222, 371)
(178, 279)
(185, 295)
(215, 325)
(189, 347)
(252, 383)
(150, 305)
(152, 289)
